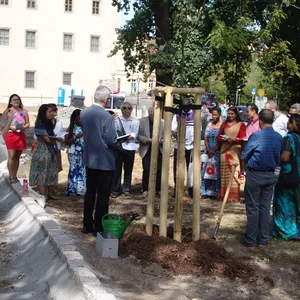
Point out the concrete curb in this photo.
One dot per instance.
(86, 280)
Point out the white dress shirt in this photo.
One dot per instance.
(280, 124)
(57, 129)
(131, 126)
(189, 133)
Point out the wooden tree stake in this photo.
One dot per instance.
(153, 167)
(165, 165)
(180, 176)
(196, 170)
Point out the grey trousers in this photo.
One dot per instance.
(258, 196)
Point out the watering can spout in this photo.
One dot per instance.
(133, 217)
(113, 223)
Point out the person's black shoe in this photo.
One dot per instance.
(86, 230)
(115, 194)
(244, 243)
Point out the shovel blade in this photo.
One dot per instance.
(216, 232)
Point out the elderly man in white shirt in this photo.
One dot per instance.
(280, 120)
(189, 143)
(124, 157)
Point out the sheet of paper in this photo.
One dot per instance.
(62, 134)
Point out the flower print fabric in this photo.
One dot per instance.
(77, 173)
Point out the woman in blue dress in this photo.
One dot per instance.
(286, 207)
(211, 188)
(77, 174)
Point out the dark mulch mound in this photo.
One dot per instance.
(204, 257)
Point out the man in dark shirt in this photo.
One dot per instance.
(262, 157)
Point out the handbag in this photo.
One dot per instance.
(291, 179)
(211, 170)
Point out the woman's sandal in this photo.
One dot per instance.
(13, 180)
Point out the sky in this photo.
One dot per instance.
(123, 17)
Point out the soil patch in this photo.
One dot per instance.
(204, 257)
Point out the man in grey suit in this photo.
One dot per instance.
(145, 139)
(99, 134)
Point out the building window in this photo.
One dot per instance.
(30, 39)
(4, 37)
(95, 43)
(68, 5)
(68, 41)
(29, 79)
(67, 78)
(96, 7)
(151, 83)
(4, 2)
(30, 3)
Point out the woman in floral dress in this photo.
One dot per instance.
(77, 174)
(43, 168)
(211, 188)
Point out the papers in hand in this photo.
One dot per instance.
(62, 134)
(123, 138)
(226, 137)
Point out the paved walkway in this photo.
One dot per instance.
(38, 260)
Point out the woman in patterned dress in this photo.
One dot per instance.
(15, 139)
(286, 206)
(43, 168)
(211, 188)
(77, 174)
(231, 136)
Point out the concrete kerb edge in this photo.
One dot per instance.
(91, 286)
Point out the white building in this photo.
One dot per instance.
(47, 43)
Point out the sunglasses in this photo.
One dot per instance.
(126, 107)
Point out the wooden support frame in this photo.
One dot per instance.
(153, 166)
(180, 176)
(165, 165)
(196, 170)
(170, 91)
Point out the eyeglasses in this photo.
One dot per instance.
(126, 107)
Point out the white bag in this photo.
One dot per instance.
(211, 170)
(190, 175)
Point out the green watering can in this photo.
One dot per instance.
(113, 223)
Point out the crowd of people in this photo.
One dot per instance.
(101, 146)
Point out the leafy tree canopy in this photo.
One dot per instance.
(186, 41)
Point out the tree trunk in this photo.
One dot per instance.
(163, 32)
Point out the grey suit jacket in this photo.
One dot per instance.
(144, 135)
(100, 138)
